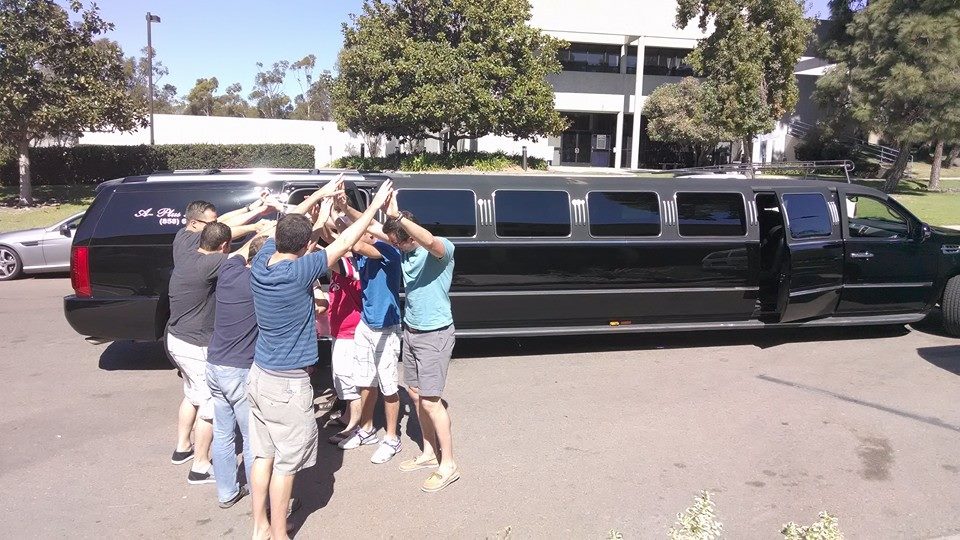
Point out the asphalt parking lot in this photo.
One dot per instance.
(559, 437)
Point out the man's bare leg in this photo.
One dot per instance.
(186, 417)
(426, 427)
(352, 414)
(391, 410)
(368, 400)
(203, 439)
(440, 421)
(260, 474)
(281, 487)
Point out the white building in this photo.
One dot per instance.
(600, 91)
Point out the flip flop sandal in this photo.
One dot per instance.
(411, 465)
(436, 482)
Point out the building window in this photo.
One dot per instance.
(623, 213)
(711, 214)
(444, 212)
(532, 213)
(807, 215)
(662, 61)
(591, 57)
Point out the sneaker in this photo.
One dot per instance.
(358, 439)
(236, 498)
(201, 477)
(338, 436)
(386, 450)
(180, 458)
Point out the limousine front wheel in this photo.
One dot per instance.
(951, 306)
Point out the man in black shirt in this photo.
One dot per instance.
(196, 261)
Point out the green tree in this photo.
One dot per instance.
(446, 70)
(898, 74)
(678, 113)
(314, 101)
(201, 100)
(136, 70)
(232, 103)
(267, 94)
(748, 60)
(56, 80)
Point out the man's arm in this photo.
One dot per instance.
(244, 250)
(237, 231)
(375, 227)
(352, 234)
(241, 216)
(329, 190)
(423, 237)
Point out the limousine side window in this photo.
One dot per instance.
(444, 212)
(521, 213)
(808, 215)
(868, 217)
(623, 213)
(711, 214)
(134, 213)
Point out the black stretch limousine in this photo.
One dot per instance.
(570, 254)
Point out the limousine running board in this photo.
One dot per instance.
(686, 327)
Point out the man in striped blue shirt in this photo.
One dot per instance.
(283, 429)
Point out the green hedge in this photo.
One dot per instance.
(481, 161)
(90, 164)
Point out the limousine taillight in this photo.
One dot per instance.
(80, 271)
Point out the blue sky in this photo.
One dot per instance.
(226, 38)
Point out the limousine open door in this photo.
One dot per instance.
(810, 276)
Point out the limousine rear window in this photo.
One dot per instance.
(623, 213)
(711, 214)
(444, 212)
(521, 213)
(140, 213)
(807, 215)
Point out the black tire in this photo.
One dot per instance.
(951, 306)
(11, 267)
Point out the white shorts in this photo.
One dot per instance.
(342, 363)
(377, 356)
(192, 362)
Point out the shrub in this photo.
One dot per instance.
(699, 522)
(826, 528)
(91, 164)
(481, 161)
(818, 146)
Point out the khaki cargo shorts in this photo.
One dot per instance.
(191, 360)
(282, 422)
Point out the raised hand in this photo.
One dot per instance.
(331, 187)
(390, 207)
(265, 224)
(383, 194)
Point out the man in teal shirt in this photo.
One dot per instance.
(428, 338)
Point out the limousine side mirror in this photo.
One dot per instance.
(925, 232)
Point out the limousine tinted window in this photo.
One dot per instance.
(532, 213)
(807, 214)
(132, 213)
(623, 213)
(444, 212)
(711, 214)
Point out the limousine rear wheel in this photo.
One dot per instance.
(951, 306)
(10, 264)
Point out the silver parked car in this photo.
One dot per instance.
(44, 249)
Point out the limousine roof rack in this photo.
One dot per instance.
(807, 167)
(179, 173)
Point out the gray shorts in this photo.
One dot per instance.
(282, 423)
(426, 357)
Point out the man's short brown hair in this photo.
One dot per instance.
(255, 246)
(392, 226)
(197, 209)
(214, 235)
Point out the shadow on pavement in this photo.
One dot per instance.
(532, 346)
(134, 355)
(946, 357)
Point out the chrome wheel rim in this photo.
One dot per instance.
(8, 263)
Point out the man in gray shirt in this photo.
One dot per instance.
(196, 261)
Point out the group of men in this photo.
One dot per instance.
(243, 332)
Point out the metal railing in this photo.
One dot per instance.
(884, 154)
(807, 167)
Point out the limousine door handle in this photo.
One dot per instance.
(861, 255)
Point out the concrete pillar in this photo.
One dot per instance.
(637, 92)
(618, 140)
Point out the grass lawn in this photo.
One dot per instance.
(55, 203)
(921, 172)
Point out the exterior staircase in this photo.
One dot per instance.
(886, 155)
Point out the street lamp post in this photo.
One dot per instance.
(151, 18)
